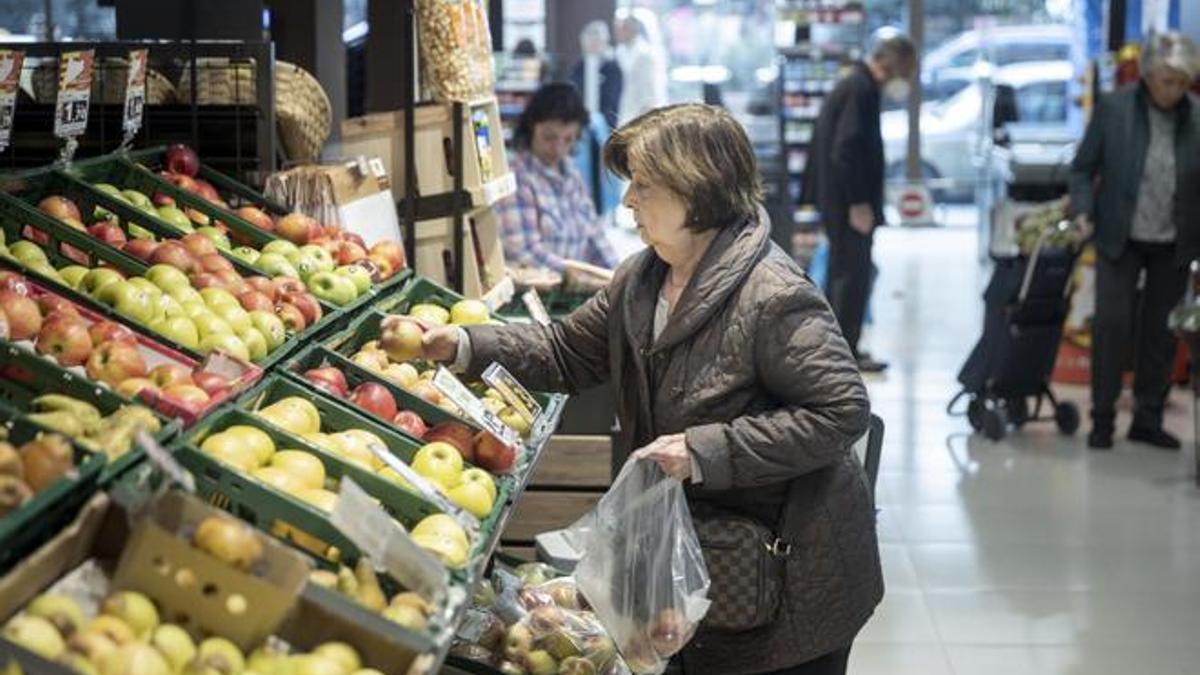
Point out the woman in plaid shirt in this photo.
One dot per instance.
(551, 218)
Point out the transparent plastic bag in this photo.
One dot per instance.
(642, 570)
(456, 49)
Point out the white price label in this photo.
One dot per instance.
(461, 396)
(135, 92)
(74, 92)
(384, 541)
(537, 310)
(513, 392)
(10, 83)
(164, 460)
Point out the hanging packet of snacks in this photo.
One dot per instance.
(456, 49)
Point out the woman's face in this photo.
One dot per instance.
(553, 140)
(661, 217)
(1167, 86)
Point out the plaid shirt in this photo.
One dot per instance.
(551, 218)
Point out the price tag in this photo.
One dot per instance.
(165, 461)
(457, 392)
(135, 93)
(537, 310)
(384, 541)
(513, 392)
(427, 489)
(10, 83)
(74, 93)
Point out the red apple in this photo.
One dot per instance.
(371, 268)
(182, 159)
(215, 385)
(206, 190)
(306, 303)
(168, 374)
(383, 264)
(390, 250)
(288, 285)
(493, 455)
(214, 262)
(292, 317)
(65, 338)
(410, 423)
(332, 232)
(256, 217)
(297, 228)
(76, 255)
(374, 398)
(187, 396)
(175, 254)
(116, 361)
(202, 280)
(103, 332)
(57, 206)
(353, 238)
(160, 199)
(53, 303)
(182, 182)
(234, 283)
(456, 434)
(262, 285)
(142, 249)
(349, 252)
(252, 300)
(198, 245)
(24, 317)
(11, 281)
(198, 218)
(109, 233)
(330, 379)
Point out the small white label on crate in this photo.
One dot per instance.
(135, 92)
(461, 396)
(10, 83)
(164, 460)
(537, 310)
(499, 188)
(385, 542)
(74, 92)
(513, 392)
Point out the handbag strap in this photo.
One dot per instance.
(782, 547)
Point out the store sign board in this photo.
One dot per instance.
(135, 92)
(461, 396)
(10, 82)
(74, 92)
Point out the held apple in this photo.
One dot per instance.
(116, 361)
(65, 338)
(332, 288)
(357, 274)
(375, 399)
(439, 462)
(403, 340)
(330, 379)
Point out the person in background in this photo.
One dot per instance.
(844, 179)
(597, 75)
(551, 219)
(527, 51)
(1134, 180)
(643, 62)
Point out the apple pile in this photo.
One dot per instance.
(31, 468)
(127, 637)
(315, 267)
(111, 434)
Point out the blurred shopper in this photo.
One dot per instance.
(643, 62)
(729, 373)
(597, 75)
(551, 218)
(844, 179)
(1136, 180)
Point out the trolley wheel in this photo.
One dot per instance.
(975, 411)
(995, 423)
(1066, 415)
(1018, 411)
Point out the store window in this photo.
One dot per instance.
(1028, 52)
(67, 19)
(1042, 103)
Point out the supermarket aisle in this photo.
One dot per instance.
(1033, 556)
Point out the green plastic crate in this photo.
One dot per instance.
(234, 192)
(419, 289)
(25, 376)
(558, 305)
(48, 511)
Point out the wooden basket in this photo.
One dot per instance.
(108, 83)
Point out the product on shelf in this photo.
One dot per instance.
(33, 466)
(361, 584)
(111, 434)
(456, 48)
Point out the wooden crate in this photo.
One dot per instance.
(540, 511)
(483, 251)
(486, 175)
(575, 462)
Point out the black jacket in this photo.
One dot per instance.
(845, 163)
(611, 82)
(1107, 170)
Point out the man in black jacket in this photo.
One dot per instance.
(1135, 177)
(844, 179)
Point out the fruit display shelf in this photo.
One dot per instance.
(233, 192)
(41, 516)
(63, 245)
(418, 290)
(558, 303)
(25, 377)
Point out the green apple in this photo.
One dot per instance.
(218, 296)
(176, 218)
(73, 274)
(357, 274)
(216, 236)
(147, 285)
(306, 265)
(139, 232)
(332, 288)
(110, 293)
(45, 269)
(137, 199)
(179, 330)
(185, 293)
(281, 247)
(324, 259)
(256, 343)
(275, 265)
(167, 278)
(136, 305)
(210, 324)
(237, 318)
(270, 326)
(27, 252)
(226, 342)
(246, 254)
(98, 278)
(169, 307)
(112, 191)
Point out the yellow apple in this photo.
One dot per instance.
(320, 498)
(439, 462)
(228, 449)
(477, 475)
(255, 439)
(279, 479)
(306, 467)
(358, 443)
(472, 496)
(403, 374)
(293, 414)
(440, 524)
(445, 549)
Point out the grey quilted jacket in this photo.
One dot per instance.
(752, 368)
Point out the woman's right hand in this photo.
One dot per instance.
(441, 343)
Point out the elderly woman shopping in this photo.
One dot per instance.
(730, 373)
(1135, 179)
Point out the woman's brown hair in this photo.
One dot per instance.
(699, 152)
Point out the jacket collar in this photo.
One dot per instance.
(725, 265)
(1183, 109)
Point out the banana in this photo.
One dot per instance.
(116, 440)
(61, 421)
(61, 403)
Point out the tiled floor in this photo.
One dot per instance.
(1032, 556)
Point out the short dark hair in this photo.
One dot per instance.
(553, 101)
(897, 52)
(699, 152)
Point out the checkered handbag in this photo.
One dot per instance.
(745, 567)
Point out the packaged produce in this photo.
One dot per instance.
(456, 49)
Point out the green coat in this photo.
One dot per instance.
(1107, 170)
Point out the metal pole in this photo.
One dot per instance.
(460, 265)
(408, 83)
(916, 31)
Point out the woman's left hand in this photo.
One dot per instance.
(671, 453)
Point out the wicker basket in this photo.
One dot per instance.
(302, 109)
(108, 84)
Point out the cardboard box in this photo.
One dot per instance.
(483, 251)
(353, 195)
